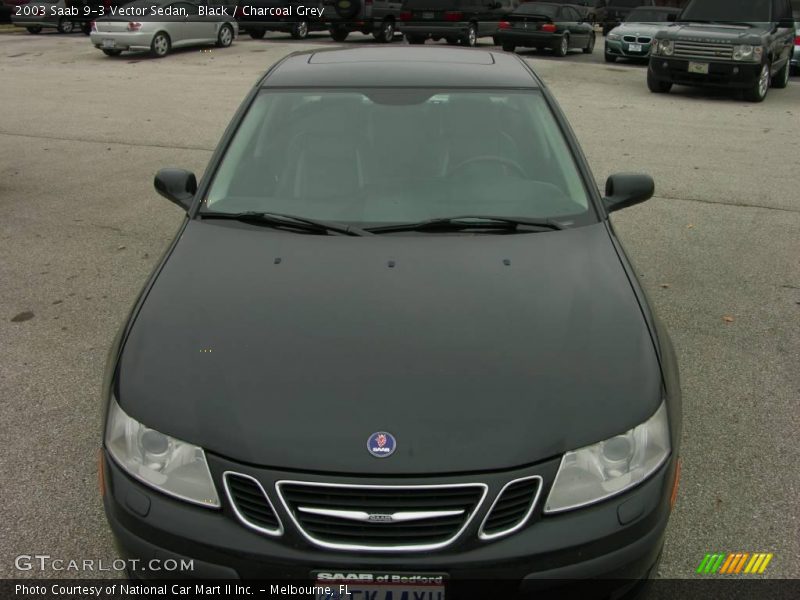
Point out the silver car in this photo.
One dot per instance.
(161, 25)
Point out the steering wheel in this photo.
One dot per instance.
(507, 162)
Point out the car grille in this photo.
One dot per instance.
(703, 50)
(632, 39)
(251, 503)
(512, 508)
(386, 518)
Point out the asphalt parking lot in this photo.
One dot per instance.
(81, 227)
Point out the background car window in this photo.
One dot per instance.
(533, 8)
(327, 155)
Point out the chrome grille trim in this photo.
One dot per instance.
(703, 50)
(371, 548)
(242, 518)
(491, 536)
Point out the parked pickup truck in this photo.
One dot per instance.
(737, 44)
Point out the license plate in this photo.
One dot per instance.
(634, 48)
(335, 585)
(701, 68)
(109, 43)
(427, 15)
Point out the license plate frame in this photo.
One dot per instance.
(698, 68)
(384, 585)
(635, 47)
(109, 44)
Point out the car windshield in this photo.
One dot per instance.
(392, 156)
(647, 15)
(534, 8)
(734, 11)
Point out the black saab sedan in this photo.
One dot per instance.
(541, 25)
(390, 350)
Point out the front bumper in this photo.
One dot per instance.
(729, 75)
(528, 39)
(123, 40)
(619, 539)
(622, 48)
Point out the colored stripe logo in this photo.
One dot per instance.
(734, 563)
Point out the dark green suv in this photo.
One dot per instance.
(738, 44)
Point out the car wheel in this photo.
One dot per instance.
(257, 34)
(563, 46)
(66, 26)
(34, 29)
(300, 30)
(415, 39)
(86, 28)
(339, 35)
(109, 52)
(610, 57)
(225, 36)
(471, 39)
(781, 79)
(758, 92)
(590, 46)
(509, 47)
(656, 85)
(160, 46)
(385, 33)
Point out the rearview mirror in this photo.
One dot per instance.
(626, 189)
(176, 185)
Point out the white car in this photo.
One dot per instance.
(160, 25)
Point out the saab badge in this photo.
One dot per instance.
(381, 444)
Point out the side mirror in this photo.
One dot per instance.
(176, 185)
(626, 189)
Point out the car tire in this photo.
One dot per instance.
(509, 47)
(161, 45)
(415, 39)
(758, 92)
(257, 34)
(65, 26)
(109, 52)
(385, 33)
(590, 44)
(781, 79)
(563, 46)
(86, 28)
(34, 29)
(299, 30)
(225, 36)
(656, 85)
(610, 58)
(338, 34)
(471, 39)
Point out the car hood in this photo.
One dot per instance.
(649, 29)
(289, 350)
(699, 32)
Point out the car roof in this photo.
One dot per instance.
(401, 66)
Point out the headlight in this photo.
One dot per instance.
(748, 53)
(663, 47)
(613, 36)
(610, 467)
(169, 465)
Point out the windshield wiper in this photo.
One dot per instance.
(271, 219)
(468, 222)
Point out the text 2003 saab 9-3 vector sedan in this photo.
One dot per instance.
(396, 334)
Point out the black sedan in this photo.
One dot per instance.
(544, 25)
(404, 366)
